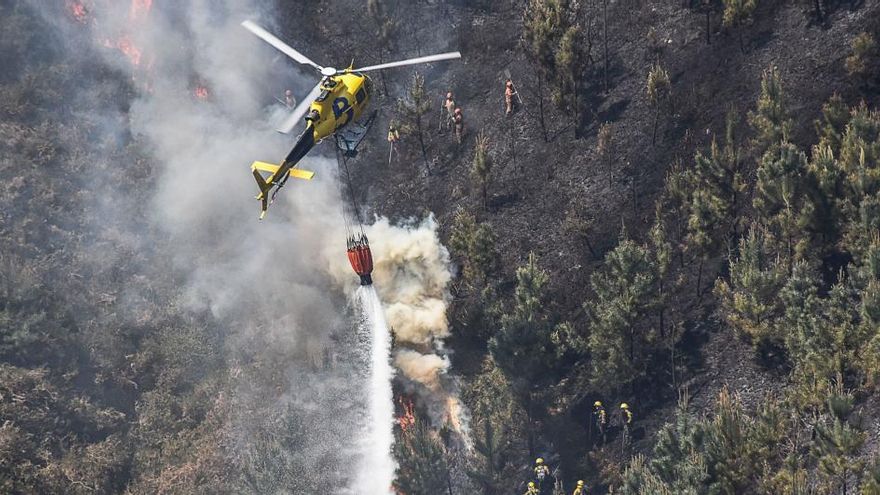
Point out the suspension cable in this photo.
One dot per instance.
(342, 159)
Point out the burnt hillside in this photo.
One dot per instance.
(559, 199)
(154, 338)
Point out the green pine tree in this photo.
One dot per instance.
(491, 467)
(571, 62)
(523, 346)
(737, 14)
(422, 466)
(659, 89)
(836, 450)
(481, 166)
(622, 335)
(749, 300)
(771, 120)
(545, 22)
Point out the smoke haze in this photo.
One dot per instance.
(295, 371)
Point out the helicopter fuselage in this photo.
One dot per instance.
(342, 100)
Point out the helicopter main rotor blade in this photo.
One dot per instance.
(300, 110)
(411, 61)
(280, 45)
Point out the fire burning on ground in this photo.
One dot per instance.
(201, 92)
(408, 418)
(139, 10)
(128, 49)
(78, 10)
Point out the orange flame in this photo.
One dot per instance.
(78, 11)
(408, 418)
(201, 92)
(128, 48)
(139, 8)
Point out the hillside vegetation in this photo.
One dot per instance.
(682, 215)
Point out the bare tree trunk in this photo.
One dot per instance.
(700, 280)
(605, 39)
(633, 188)
(708, 26)
(590, 247)
(382, 74)
(632, 343)
(541, 106)
(656, 120)
(422, 143)
(577, 115)
(448, 477)
(661, 309)
(608, 165)
(529, 437)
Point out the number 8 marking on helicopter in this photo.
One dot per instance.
(342, 106)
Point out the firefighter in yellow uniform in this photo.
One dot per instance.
(393, 134)
(626, 418)
(600, 417)
(533, 489)
(542, 472)
(580, 489)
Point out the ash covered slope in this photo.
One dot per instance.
(119, 374)
(564, 201)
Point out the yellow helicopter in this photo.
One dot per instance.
(338, 99)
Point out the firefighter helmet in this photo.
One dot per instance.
(580, 482)
(597, 404)
(624, 406)
(531, 484)
(539, 461)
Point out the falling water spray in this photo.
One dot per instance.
(376, 472)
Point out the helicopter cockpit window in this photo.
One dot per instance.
(323, 96)
(360, 95)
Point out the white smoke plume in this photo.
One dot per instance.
(412, 272)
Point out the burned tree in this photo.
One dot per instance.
(412, 108)
(658, 89)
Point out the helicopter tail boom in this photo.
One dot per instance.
(274, 179)
(278, 174)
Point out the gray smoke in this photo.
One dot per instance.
(296, 395)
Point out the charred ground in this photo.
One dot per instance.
(68, 387)
(537, 186)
